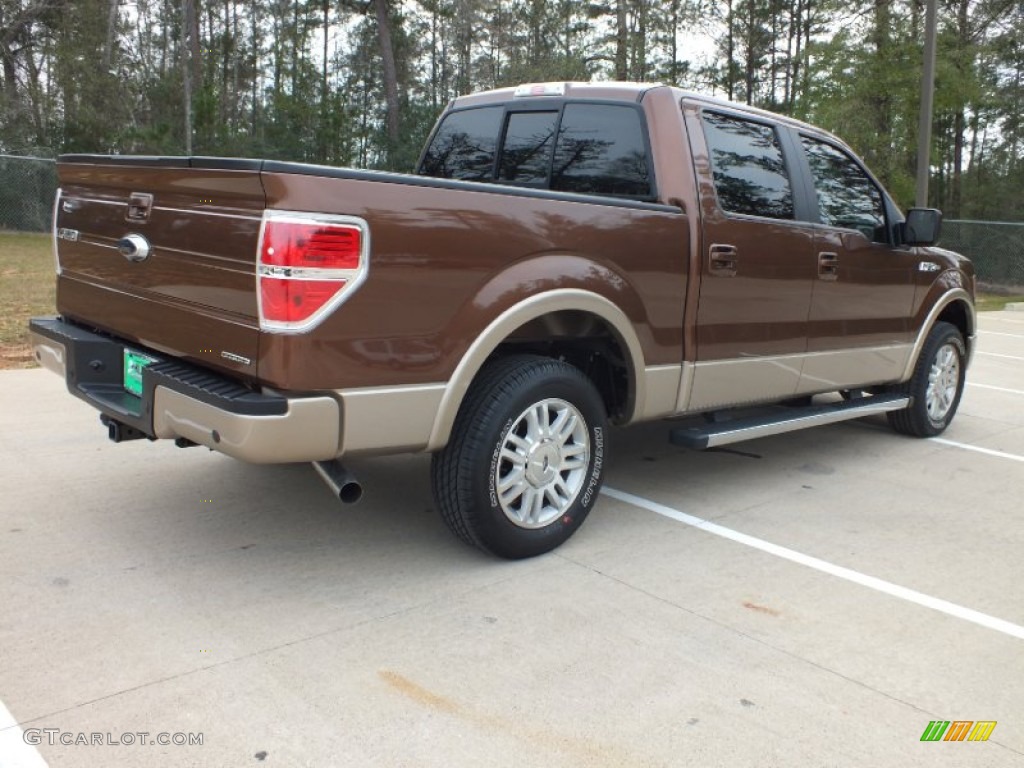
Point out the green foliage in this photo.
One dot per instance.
(106, 76)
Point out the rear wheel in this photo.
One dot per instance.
(936, 386)
(525, 460)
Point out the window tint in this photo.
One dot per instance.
(526, 155)
(464, 146)
(601, 151)
(750, 175)
(846, 196)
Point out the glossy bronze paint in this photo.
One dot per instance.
(446, 261)
(447, 258)
(778, 303)
(194, 296)
(761, 307)
(871, 300)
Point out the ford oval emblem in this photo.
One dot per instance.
(134, 247)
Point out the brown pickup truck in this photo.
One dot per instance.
(567, 255)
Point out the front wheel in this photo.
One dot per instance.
(526, 457)
(936, 386)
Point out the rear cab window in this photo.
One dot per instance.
(580, 147)
(526, 151)
(464, 145)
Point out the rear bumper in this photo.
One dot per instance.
(180, 400)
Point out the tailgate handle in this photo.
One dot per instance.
(139, 206)
(723, 260)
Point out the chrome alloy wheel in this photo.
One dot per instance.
(943, 382)
(542, 463)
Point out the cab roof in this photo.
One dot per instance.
(615, 91)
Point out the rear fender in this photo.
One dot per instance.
(528, 291)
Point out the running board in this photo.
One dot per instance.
(725, 432)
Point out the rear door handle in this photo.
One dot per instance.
(828, 266)
(722, 260)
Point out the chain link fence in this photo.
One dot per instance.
(995, 247)
(27, 188)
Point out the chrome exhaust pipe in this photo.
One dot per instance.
(339, 480)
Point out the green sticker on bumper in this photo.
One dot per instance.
(134, 362)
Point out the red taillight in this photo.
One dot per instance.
(295, 301)
(307, 263)
(320, 246)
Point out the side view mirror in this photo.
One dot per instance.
(922, 226)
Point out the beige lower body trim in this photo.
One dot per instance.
(722, 383)
(307, 432)
(388, 419)
(661, 384)
(852, 368)
(49, 354)
(745, 381)
(955, 294)
(516, 316)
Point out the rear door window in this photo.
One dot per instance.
(601, 151)
(748, 166)
(464, 146)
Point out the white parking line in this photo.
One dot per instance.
(997, 389)
(879, 585)
(14, 752)
(997, 333)
(1004, 357)
(977, 449)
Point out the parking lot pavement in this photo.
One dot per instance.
(849, 587)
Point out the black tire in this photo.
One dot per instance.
(468, 472)
(932, 406)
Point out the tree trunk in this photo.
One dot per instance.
(730, 50)
(965, 66)
(387, 54)
(640, 70)
(108, 49)
(621, 42)
(195, 44)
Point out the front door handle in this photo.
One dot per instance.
(828, 266)
(722, 260)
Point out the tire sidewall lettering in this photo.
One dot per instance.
(597, 464)
(492, 471)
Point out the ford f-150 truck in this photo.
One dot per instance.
(566, 256)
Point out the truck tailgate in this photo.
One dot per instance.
(194, 294)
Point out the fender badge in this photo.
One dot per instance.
(235, 358)
(67, 234)
(928, 266)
